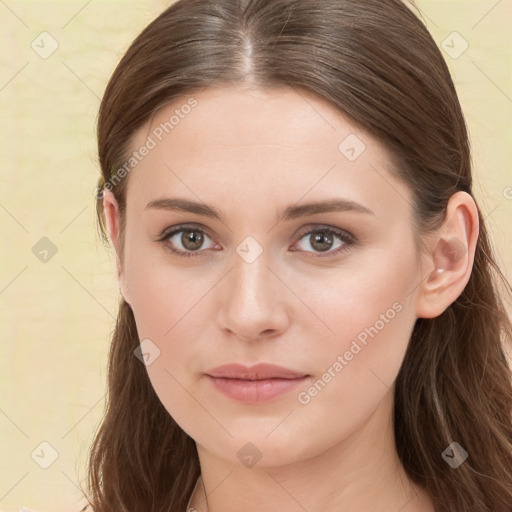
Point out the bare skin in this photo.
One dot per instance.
(251, 154)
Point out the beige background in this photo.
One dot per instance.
(57, 316)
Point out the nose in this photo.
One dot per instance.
(253, 301)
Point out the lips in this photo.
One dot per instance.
(258, 372)
(256, 384)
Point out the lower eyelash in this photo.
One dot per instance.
(348, 242)
(183, 253)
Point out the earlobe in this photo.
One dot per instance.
(113, 223)
(450, 257)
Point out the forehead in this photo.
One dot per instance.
(219, 144)
(285, 118)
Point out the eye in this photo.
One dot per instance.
(191, 239)
(322, 240)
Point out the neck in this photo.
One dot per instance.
(360, 473)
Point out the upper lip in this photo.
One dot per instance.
(257, 372)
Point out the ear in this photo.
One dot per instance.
(113, 222)
(450, 256)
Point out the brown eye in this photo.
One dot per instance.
(185, 241)
(323, 240)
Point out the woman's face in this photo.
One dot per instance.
(256, 286)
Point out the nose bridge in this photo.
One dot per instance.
(250, 304)
(250, 277)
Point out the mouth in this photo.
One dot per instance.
(257, 384)
(258, 372)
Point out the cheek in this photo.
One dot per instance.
(373, 318)
(160, 292)
(167, 306)
(369, 300)
(361, 363)
(357, 377)
(168, 302)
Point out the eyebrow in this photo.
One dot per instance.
(290, 213)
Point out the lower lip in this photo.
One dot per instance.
(255, 391)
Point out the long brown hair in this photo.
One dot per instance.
(376, 62)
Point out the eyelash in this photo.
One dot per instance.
(347, 239)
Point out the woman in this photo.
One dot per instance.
(310, 316)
